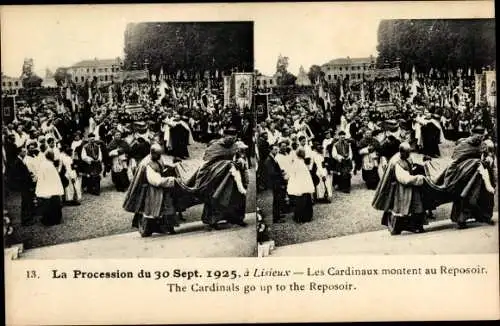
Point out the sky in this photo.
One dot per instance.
(307, 33)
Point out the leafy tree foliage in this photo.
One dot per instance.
(314, 73)
(443, 44)
(32, 81)
(61, 75)
(28, 77)
(284, 77)
(190, 47)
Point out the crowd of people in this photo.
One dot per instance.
(308, 148)
(57, 149)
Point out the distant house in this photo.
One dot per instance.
(11, 83)
(353, 68)
(105, 70)
(262, 81)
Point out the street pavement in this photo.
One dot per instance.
(440, 238)
(192, 240)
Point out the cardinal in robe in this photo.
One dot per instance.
(92, 158)
(399, 196)
(342, 154)
(118, 150)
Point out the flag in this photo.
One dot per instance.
(162, 76)
(430, 72)
(162, 88)
(90, 95)
(174, 95)
(178, 76)
(469, 72)
(413, 73)
(321, 92)
(110, 94)
(216, 73)
(68, 93)
(362, 92)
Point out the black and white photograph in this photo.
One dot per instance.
(219, 163)
(382, 146)
(128, 139)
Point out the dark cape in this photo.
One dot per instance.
(460, 182)
(179, 139)
(213, 184)
(430, 139)
(390, 195)
(142, 197)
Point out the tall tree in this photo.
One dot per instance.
(28, 77)
(190, 47)
(314, 73)
(444, 44)
(284, 77)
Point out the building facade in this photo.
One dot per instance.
(105, 70)
(11, 83)
(266, 81)
(355, 68)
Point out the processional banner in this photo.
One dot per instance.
(227, 91)
(243, 85)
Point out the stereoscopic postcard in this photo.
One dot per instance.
(249, 162)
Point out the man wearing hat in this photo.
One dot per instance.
(432, 136)
(276, 179)
(468, 181)
(155, 202)
(399, 194)
(180, 137)
(342, 154)
(92, 158)
(327, 150)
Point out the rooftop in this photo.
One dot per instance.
(349, 61)
(97, 62)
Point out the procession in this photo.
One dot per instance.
(158, 143)
(360, 144)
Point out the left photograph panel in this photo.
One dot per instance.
(128, 141)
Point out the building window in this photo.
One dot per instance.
(329, 77)
(335, 77)
(265, 82)
(88, 70)
(10, 84)
(3, 84)
(16, 83)
(353, 76)
(340, 68)
(359, 76)
(270, 81)
(101, 78)
(106, 77)
(93, 70)
(105, 69)
(258, 82)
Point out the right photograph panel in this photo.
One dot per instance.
(387, 146)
